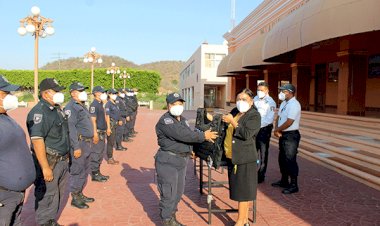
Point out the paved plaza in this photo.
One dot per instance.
(130, 197)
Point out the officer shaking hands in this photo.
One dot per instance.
(17, 167)
(81, 134)
(49, 132)
(174, 137)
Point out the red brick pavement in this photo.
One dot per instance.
(130, 196)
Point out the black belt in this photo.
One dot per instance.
(181, 154)
(4, 189)
(60, 157)
(101, 131)
(289, 132)
(86, 139)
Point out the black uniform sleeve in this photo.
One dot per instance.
(38, 124)
(72, 121)
(180, 132)
(250, 127)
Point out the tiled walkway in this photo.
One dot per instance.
(130, 196)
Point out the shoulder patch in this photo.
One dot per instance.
(68, 113)
(272, 108)
(168, 121)
(92, 110)
(37, 118)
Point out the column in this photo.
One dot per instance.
(301, 76)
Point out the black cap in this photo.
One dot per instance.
(50, 83)
(98, 89)
(112, 91)
(173, 97)
(289, 87)
(129, 90)
(121, 90)
(77, 86)
(6, 86)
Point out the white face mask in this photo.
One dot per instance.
(242, 106)
(103, 96)
(58, 98)
(122, 95)
(260, 94)
(113, 96)
(82, 96)
(281, 96)
(130, 94)
(10, 102)
(176, 110)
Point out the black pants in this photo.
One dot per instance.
(171, 171)
(262, 145)
(111, 142)
(120, 132)
(97, 154)
(80, 167)
(10, 212)
(287, 158)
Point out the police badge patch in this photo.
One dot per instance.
(92, 110)
(168, 121)
(37, 118)
(68, 113)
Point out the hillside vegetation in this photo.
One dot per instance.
(169, 70)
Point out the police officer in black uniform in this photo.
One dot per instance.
(81, 134)
(113, 121)
(17, 168)
(132, 106)
(174, 138)
(120, 101)
(136, 106)
(98, 118)
(49, 133)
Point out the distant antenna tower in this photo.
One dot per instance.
(58, 56)
(232, 14)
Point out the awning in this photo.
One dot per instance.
(320, 20)
(252, 57)
(222, 68)
(235, 64)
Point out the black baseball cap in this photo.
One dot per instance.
(50, 83)
(77, 86)
(112, 91)
(121, 90)
(289, 87)
(6, 86)
(98, 89)
(173, 97)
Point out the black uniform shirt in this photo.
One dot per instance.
(129, 105)
(135, 102)
(97, 111)
(113, 111)
(79, 122)
(50, 123)
(176, 136)
(17, 171)
(122, 106)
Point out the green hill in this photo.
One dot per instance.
(169, 70)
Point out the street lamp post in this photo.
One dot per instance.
(38, 26)
(92, 57)
(124, 76)
(113, 70)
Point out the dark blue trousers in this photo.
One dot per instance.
(287, 158)
(79, 168)
(12, 204)
(262, 145)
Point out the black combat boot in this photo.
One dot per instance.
(283, 183)
(78, 202)
(293, 187)
(85, 198)
(51, 222)
(176, 221)
(171, 222)
(96, 176)
(120, 147)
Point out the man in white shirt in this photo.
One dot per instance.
(265, 106)
(286, 128)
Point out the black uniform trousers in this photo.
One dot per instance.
(111, 140)
(49, 194)
(12, 205)
(171, 171)
(120, 132)
(134, 116)
(287, 158)
(79, 167)
(262, 146)
(97, 153)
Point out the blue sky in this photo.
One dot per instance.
(141, 31)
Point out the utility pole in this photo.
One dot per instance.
(59, 57)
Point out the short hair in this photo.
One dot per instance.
(246, 91)
(263, 84)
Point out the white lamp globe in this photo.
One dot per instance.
(30, 28)
(108, 72)
(21, 31)
(50, 30)
(118, 71)
(85, 60)
(120, 76)
(100, 60)
(93, 49)
(43, 35)
(35, 11)
(90, 59)
(129, 76)
(113, 64)
(112, 71)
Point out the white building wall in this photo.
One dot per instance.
(195, 74)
